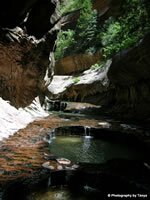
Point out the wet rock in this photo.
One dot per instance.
(59, 167)
(48, 166)
(104, 124)
(54, 105)
(49, 156)
(115, 176)
(63, 161)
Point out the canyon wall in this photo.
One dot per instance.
(129, 75)
(27, 37)
(121, 85)
(76, 63)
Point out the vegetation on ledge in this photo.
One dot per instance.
(110, 37)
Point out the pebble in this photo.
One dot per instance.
(59, 167)
(47, 165)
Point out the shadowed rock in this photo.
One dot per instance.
(26, 64)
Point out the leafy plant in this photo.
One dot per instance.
(65, 39)
(76, 79)
(114, 35)
(68, 6)
(98, 65)
(82, 38)
(127, 30)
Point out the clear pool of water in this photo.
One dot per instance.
(59, 194)
(90, 150)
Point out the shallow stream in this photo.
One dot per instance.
(85, 139)
(83, 148)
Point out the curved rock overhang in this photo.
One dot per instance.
(27, 38)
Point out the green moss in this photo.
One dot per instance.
(125, 31)
(76, 79)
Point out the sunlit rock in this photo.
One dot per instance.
(82, 87)
(48, 166)
(63, 161)
(104, 124)
(13, 119)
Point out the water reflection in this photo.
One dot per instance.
(82, 149)
(56, 194)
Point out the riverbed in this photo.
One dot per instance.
(23, 154)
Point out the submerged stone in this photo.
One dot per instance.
(63, 161)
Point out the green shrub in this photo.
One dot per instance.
(81, 39)
(98, 65)
(65, 39)
(125, 31)
(114, 35)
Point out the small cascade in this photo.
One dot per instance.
(50, 136)
(53, 135)
(63, 106)
(48, 140)
(87, 132)
(49, 181)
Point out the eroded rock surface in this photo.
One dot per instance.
(12, 119)
(79, 88)
(26, 64)
(130, 77)
(76, 63)
(123, 85)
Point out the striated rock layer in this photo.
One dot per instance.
(76, 63)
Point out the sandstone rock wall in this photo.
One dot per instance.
(76, 63)
(26, 64)
(79, 62)
(122, 86)
(107, 8)
(129, 75)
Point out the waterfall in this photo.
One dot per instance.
(49, 181)
(61, 106)
(87, 132)
(50, 136)
(53, 135)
